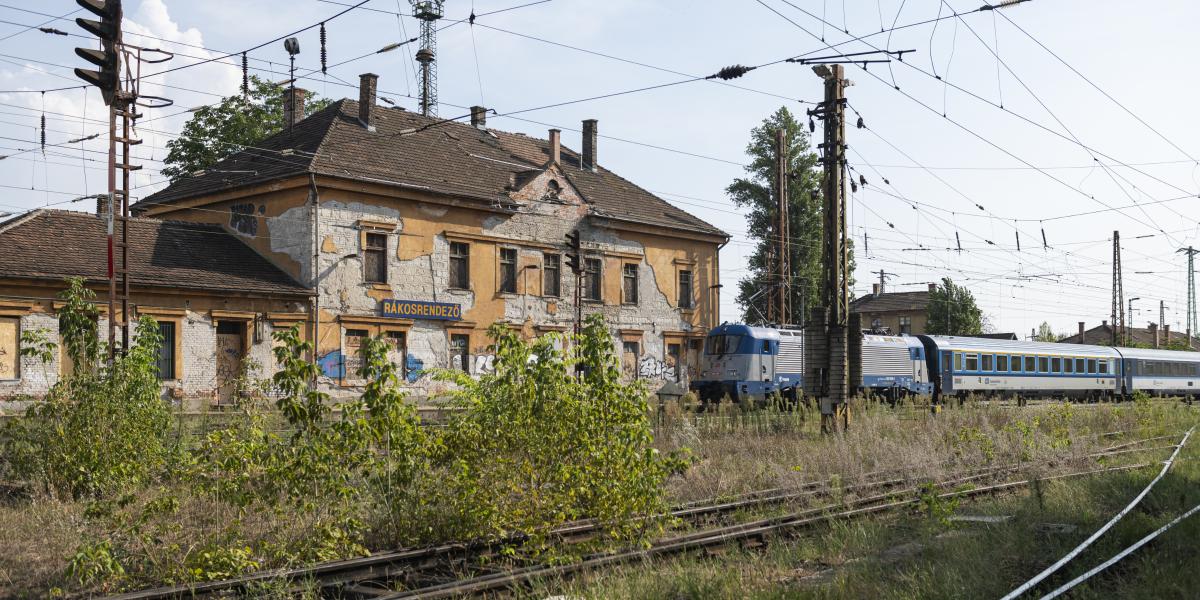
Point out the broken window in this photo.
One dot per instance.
(460, 270)
(375, 258)
(352, 354)
(551, 275)
(508, 270)
(629, 283)
(460, 352)
(685, 290)
(629, 358)
(591, 279)
(397, 351)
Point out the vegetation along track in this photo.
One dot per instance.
(347, 578)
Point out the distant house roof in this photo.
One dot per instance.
(411, 150)
(56, 244)
(1142, 336)
(891, 302)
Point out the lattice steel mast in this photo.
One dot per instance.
(428, 12)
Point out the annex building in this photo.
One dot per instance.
(383, 222)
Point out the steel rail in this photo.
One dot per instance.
(700, 540)
(1028, 585)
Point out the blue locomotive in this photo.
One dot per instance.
(751, 364)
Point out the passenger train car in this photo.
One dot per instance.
(752, 364)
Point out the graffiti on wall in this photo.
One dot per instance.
(413, 369)
(652, 368)
(332, 365)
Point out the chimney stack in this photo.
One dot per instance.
(102, 206)
(589, 145)
(479, 117)
(874, 289)
(1167, 333)
(1153, 327)
(366, 98)
(933, 287)
(1104, 323)
(293, 105)
(555, 146)
(1082, 333)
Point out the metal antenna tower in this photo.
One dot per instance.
(428, 12)
(1191, 289)
(1118, 292)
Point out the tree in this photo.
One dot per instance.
(754, 192)
(952, 311)
(218, 130)
(1045, 333)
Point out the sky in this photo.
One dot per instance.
(1055, 120)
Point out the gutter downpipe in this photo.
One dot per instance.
(316, 265)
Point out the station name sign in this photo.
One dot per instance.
(415, 309)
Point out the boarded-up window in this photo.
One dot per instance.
(375, 258)
(674, 364)
(508, 270)
(351, 357)
(397, 350)
(629, 283)
(460, 270)
(551, 278)
(10, 349)
(629, 358)
(166, 352)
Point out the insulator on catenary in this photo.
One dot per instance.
(245, 75)
(732, 72)
(323, 54)
(1018, 234)
(957, 241)
(1045, 246)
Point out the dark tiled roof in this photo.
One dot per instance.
(56, 244)
(409, 149)
(1143, 336)
(890, 302)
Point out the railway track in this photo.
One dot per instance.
(428, 568)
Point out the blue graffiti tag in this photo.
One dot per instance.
(413, 367)
(332, 365)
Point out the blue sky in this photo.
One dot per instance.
(1058, 147)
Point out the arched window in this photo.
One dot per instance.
(553, 189)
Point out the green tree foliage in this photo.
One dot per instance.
(1045, 333)
(104, 430)
(754, 193)
(952, 311)
(217, 130)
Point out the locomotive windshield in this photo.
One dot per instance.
(722, 344)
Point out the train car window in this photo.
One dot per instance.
(987, 362)
(1016, 364)
(1091, 366)
(1043, 364)
(958, 361)
(1030, 364)
(972, 362)
(1001, 362)
(766, 347)
(1068, 365)
(1055, 364)
(1080, 365)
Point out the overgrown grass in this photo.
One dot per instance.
(923, 553)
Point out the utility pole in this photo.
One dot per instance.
(826, 376)
(1162, 313)
(883, 275)
(1191, 290)
(1118, 293)
(784, 255)
(428, 12)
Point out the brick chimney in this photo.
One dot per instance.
(1167, 333)
(589, 145)
(1153, 328)
(293, 105)
(555, 146)
(1082, 333)
(874, 289)
(933, 287)
(479, 117)
(366, 98)
(102, 206)
(1104, 323)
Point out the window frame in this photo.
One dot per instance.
(16, 348)
(465, 364)
(506, 282)
(464, 259)
(905, 325)
(690, 303)
(593, 279)
(1102, 366)
(987, 362)
(969, 358)
(1055, 364)
(392, 334)
(1069, 366)
(381, 254)
(626, 278)
(958, 361)
(171, 345)
(1002, 361)
(1043, 364)
(557, 274)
